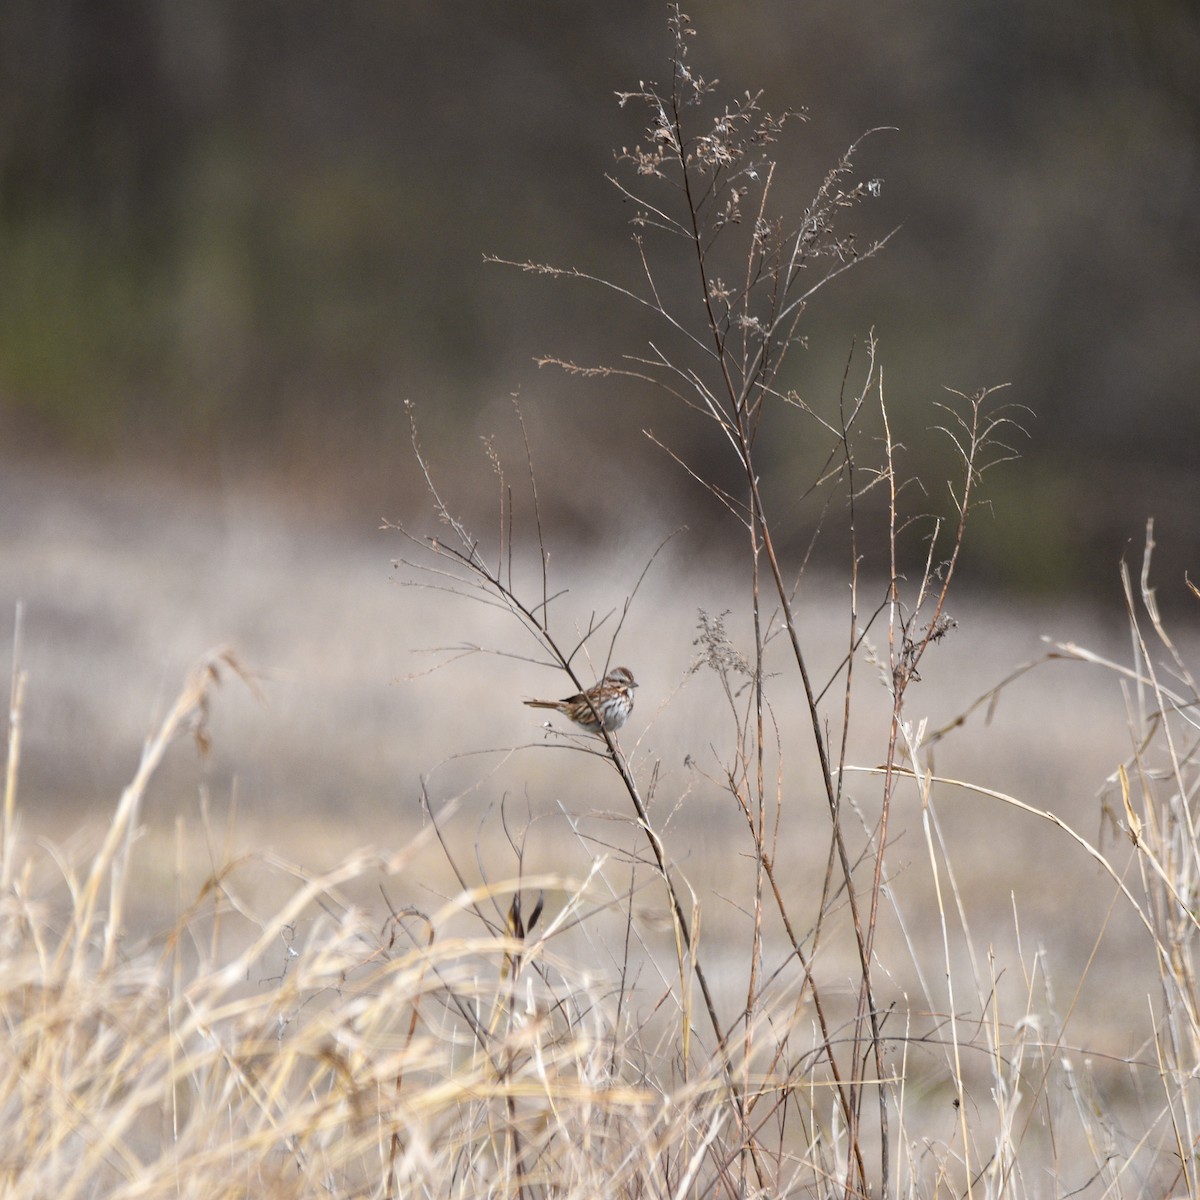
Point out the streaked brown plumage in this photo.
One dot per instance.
(608, 703)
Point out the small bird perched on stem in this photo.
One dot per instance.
(607, 704)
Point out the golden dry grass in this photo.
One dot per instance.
(209, 991)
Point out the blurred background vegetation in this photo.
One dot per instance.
(236, 234)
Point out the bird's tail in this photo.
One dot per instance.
(542, 703)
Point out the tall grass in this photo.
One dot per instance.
(579, 1032)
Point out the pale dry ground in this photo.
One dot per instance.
(125, 583)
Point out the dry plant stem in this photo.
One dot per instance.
(536, 622)
(684, 931)
(1164, 840)
(765, 863)
(12, 767)
(758, 822)
(761, 539)
(1044, 814)
(1148, 600)
(113, 858)
(743, 335)
(739, 422)
(761, 532)
(907, 643)
(767, 859)
(394, 1147)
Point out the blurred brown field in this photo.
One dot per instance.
(125, 582)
